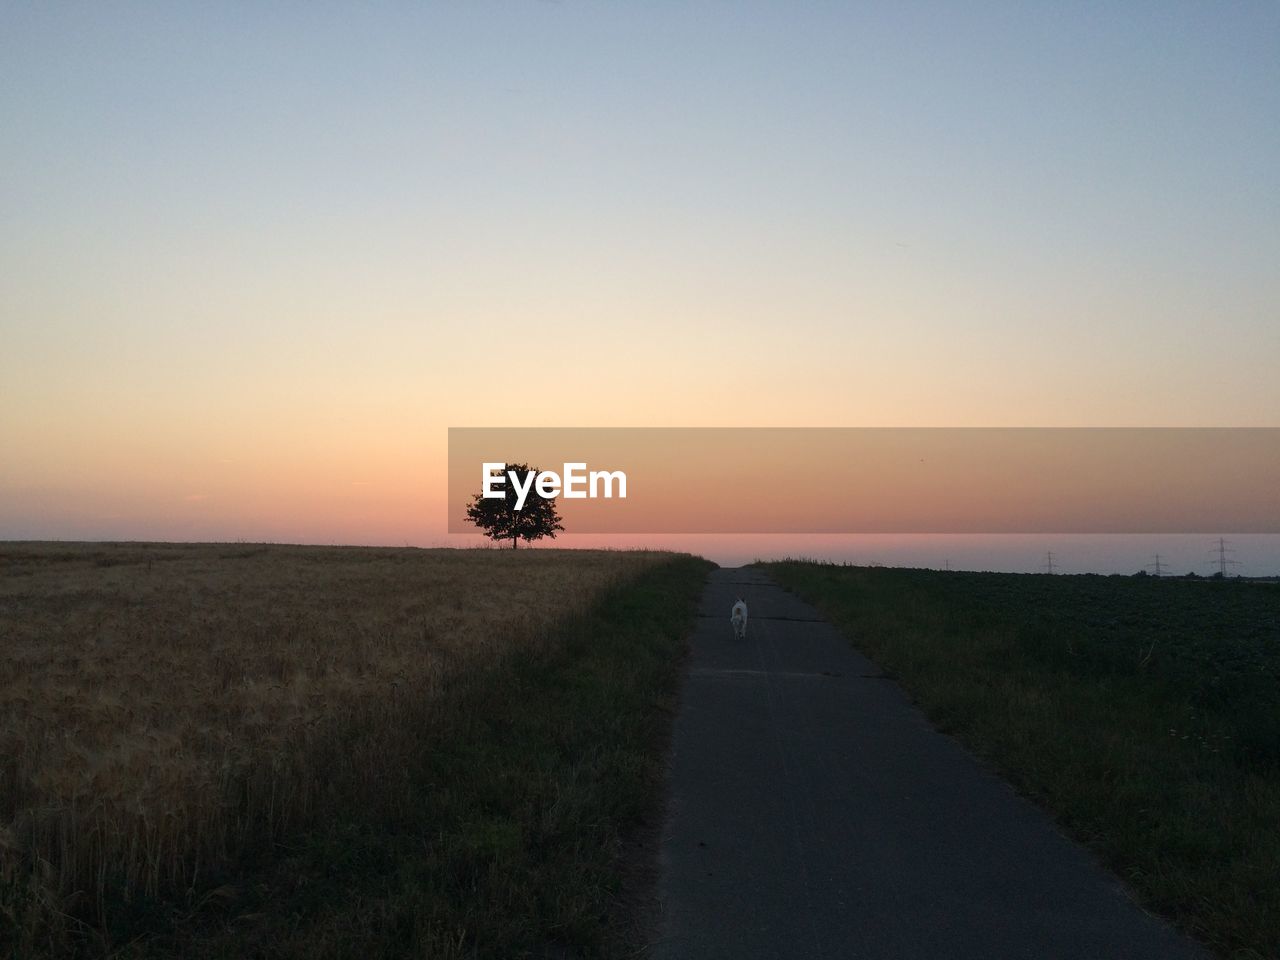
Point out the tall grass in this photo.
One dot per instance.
(171, 715)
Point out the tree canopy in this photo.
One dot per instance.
(500, 520)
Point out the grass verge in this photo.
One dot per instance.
(498, 830)
(1145, 714)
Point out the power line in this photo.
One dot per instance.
(1223, 562)
(1159, 567)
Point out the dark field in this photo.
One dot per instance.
(1144, 713)
(247, 750)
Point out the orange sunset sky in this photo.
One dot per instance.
(256, 262)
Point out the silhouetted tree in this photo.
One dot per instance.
(500, 520)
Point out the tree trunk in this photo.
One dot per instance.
(515, 541)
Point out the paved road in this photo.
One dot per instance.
(814, 813)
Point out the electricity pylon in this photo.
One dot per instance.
(1223, 561)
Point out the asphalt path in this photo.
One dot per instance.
(814, 813)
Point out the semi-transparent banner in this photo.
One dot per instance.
(877, 480)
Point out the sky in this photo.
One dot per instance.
(255, 260)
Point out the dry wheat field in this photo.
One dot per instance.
(163, 708)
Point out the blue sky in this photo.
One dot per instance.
(303, 240)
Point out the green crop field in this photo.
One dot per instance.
(1144, 713)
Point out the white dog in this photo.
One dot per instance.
(739, 619)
